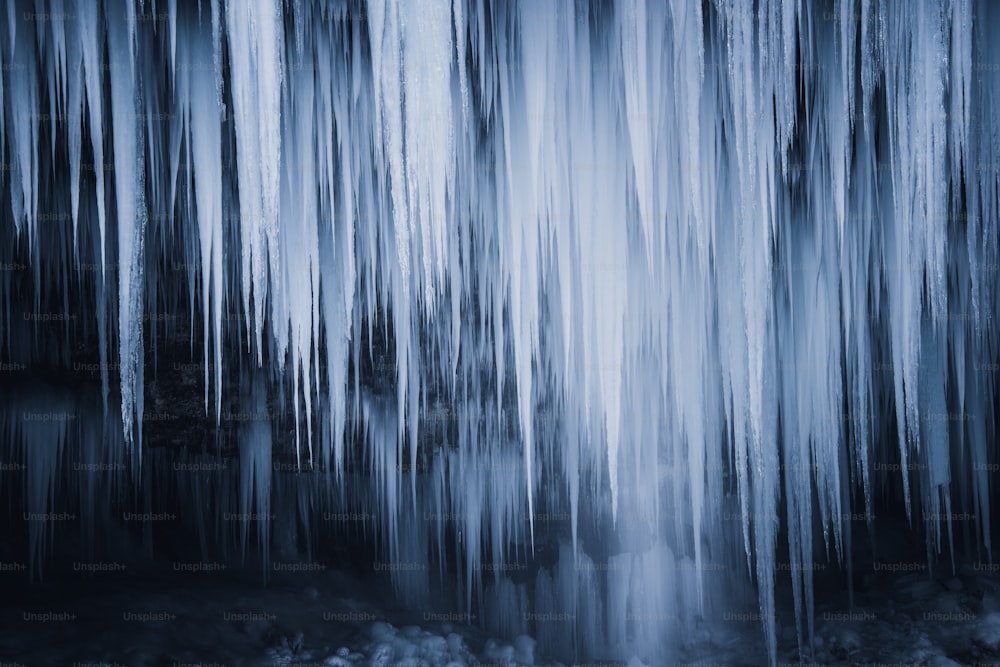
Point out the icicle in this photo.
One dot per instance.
(255, 62)
(131, 215)
(205, 140)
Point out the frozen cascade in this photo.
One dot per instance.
(583, 302)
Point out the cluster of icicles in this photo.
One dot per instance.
(652, 263)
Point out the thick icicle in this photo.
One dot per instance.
(126, 106)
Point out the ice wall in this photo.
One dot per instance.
(643, 265)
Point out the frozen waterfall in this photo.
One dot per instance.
(594, 310)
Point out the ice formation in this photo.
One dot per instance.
(621, 272)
